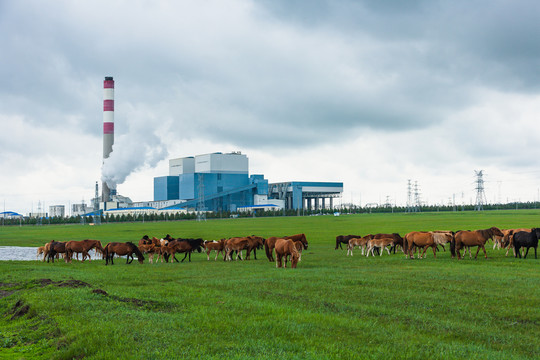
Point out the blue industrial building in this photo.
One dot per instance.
(221, 182)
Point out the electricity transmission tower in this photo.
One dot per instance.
(480, 194)
(417, 202)
(409, 196)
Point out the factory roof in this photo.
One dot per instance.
(133, 208)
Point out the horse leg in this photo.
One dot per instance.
(435, 251)
(478, 250)
(526, 252)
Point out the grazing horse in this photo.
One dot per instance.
(284, 248)
(255, 243)
(361, 242)
(54, 248)
(40, 251)
(473, 238)
(119, 248)
(524, 239)
(381, 243)
(83, 246)
(344, 239)
(271, 242)
(186, 246)
(217, 246)
(421, 239)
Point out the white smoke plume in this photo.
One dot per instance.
(137, 149)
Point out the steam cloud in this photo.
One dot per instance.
(132, 152)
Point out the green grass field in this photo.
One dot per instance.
(330, 307)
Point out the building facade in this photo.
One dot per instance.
(221, 182)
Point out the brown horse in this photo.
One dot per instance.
(186, 246)
(420, 239)
(381, 244)
(344, 239)
(284, 248)
(398, 240)
(361, 242)
(473, 238)
(271, 243)
(83, 246)
(236, 244)
(54, 248)
(217, 246)
(119, 248)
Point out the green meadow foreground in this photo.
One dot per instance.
(330, 307)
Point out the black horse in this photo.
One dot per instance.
(526, 240)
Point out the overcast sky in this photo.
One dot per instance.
(371, 93)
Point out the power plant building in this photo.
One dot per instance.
(221, 182)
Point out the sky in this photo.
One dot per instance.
(369, 93)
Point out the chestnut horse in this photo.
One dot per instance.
(217, 246)
(421, 239)
(284, 248)
(271, 243)
(83, 246)
(119, 248)
(473, 238)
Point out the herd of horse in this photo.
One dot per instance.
(289, 248)
(166, 248)
(520, 240)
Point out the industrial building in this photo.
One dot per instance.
(221, 182)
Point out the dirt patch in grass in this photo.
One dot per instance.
(66, 283)
(19, 309)
(134, 301)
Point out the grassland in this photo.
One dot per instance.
(330, 307)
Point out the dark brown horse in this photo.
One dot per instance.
(54, 248)
(118, 248)
(285, 248)
(186, 246)
(473, 238)
(83, 246)
(344, 239)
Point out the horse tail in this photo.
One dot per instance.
(453, 245)
(406, 244)
(268, 251)
(106, 254)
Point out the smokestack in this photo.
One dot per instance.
(108, 129)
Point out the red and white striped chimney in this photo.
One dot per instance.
(108, 128)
